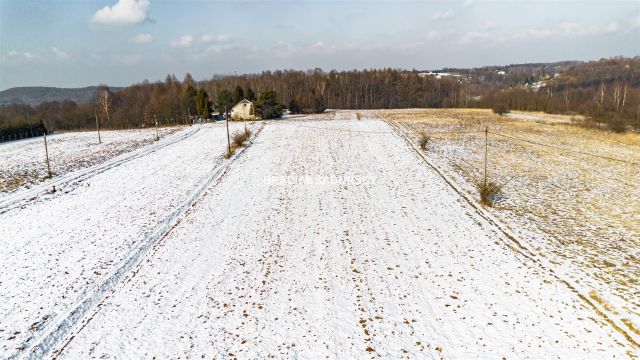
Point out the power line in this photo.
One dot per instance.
(565, 149)
(344, 130)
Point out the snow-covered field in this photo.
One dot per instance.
(22, 163)
(58, 247)
(578, 210)
(322, 239)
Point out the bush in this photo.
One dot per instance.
(267, 105)
(424, 141)
(617, 125)
(500, 109)
(240, 137)
(358, 116)
(488, 191)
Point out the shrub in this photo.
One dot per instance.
(489, 191)
(424, 140)
(358, 116)
(240, 137)
(617, 125)
(500, 109)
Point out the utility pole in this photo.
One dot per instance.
(157, 132)
(30, 128)
(226, 116)
(46, 153)
(486, 140)
(95, 112)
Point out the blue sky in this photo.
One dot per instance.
(120, 42)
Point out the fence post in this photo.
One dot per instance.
(486, 140)
(157, 133)
(228, 139)
(46, 152)
(97, 125)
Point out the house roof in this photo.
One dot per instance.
(243, 101)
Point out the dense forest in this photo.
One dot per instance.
(606, 91)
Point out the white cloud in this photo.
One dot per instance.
(214, 38)
(142, 39)
(433, 36)
(441, 15)
(183, 42)
(567, 29)
(534, 34)
(473, 36)
(123, 12)
(467, 3)
(30, 56)
(612, 27)
(60, 54)
(15, 57)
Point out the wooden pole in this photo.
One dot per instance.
(226, 116)
(486, 140)
(95, 113)
(46, 153)
(30, 128)
(157, 132)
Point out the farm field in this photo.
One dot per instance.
(327, 237)
(58, 247)
(22, 163)
(578, 209)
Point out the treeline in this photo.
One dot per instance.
(607, 91)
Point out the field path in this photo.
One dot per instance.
(332, 239)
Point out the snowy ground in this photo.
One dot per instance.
(22, 163)
(579, 213)
(323, 239)
(57, 247)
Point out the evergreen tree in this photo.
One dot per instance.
(238, 95)
(188, 81)
(203, 106)
(225, 99)
(250, 95)
(293, 106)
(189, 100)
(268, 106)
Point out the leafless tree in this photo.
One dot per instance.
(104, 100)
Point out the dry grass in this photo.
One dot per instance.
(488, 192)
(423, 140)
(238, 139)
(579, 211)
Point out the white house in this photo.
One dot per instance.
(243, 110)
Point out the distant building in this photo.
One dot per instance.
(243, 110)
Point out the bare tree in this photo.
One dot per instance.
(104, 100)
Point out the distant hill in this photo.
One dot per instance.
(34, 95)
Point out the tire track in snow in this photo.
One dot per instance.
(56, 331)
(612, 319)
(22, 197)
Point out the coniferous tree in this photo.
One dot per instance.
(203, 106)
(238, 95)
(268, 106)
(293, 106)
(189, 100)
(225, 100)
(250, 95)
